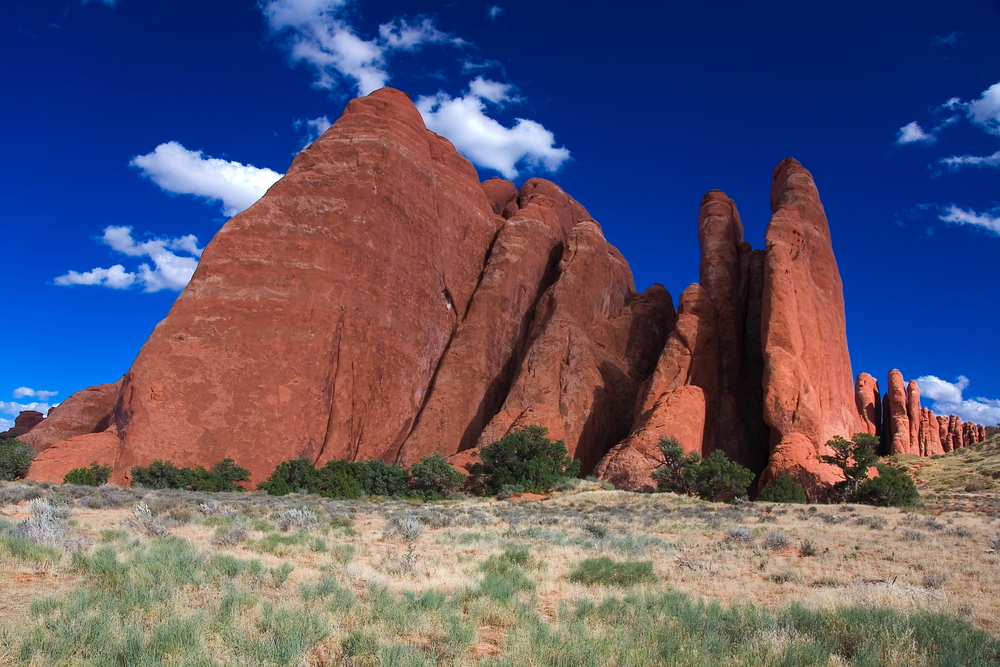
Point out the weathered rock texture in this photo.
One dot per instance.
(380, 302)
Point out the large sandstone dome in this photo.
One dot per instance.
(380, 302)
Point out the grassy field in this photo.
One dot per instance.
(584, 577)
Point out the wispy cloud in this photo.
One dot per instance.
(174, 261)
(106, 3)
(985, 111)
(318, 34)
(960, 216)
(947, 399)
(484, 140)
(494, 11)
(40, 394)
(912, 133)
(181, 171)
(959, 161)
(945, 40)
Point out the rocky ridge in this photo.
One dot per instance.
(380, 302)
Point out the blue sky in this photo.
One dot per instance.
(135, 128)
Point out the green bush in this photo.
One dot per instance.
(854, 457)
(434, 477)
(892, 487)
(81, 477)
(524, 459)
(606, 572)
(297, 476)
(336, 481)
(165, 475)
(15, 458)
(784, 489)
(378, 478)
(712, 478)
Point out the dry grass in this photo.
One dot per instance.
(935, 559)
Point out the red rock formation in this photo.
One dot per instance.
(913, 415)
(869, 402)
(930, 432)
(672, 403)
(573, 376)
(25, 422)
(85, 411)
(955, 432)
(897, 423)
(945, 434)
(52, 464)
(969, 433)
(808, 384)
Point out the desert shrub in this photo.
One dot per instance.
(95, 475)
(740, 534)
(715, 477)
(776, 540)
(432, 476)
(405, 527)
(807, 549)
(336, 481)
(231, 536)
(525, 460)
(784, 489)
(292, 476)
(15, 458)
(606, 572)
(892, 487)
(296, 518)
(165, 475)
(378, 478)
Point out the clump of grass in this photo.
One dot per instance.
(606, 572)
(776, 541)
(912, 535)
(146, 521)
(807, 549)
(934, 580)
(403, 527)
(740, 534)
(783, 577)
(231, 536)
(296, 518)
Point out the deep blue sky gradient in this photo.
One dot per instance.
(658, 102)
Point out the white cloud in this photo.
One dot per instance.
(170, 270)
(947, 400)
(959, 161)
(986, 110)
(314, 128)
(960, 216)
(485, 141)
(320, 36)
(912, 133)
(182, 171)
(26, 392)
(494, 11)
(6, 424)
(12, 408)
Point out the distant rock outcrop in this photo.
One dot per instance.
(24, 423)
(86, 411)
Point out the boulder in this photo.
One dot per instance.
(798, 456)
(85, 411)
(808, 385)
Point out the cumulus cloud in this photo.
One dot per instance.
(319, 35)
(40, 394)
(174, 261)
(484, 140)
(181, 171)
(912, 133)
(947, 400)
(12, 408)
(494, 11)
(960, 216)
(986, 110)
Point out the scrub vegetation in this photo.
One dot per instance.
(582, 576)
